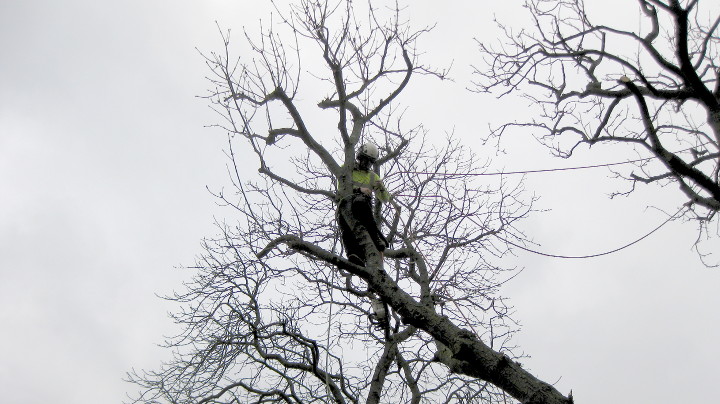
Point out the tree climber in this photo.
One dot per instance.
(365, 183)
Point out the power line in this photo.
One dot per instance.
(520, 172)
(533, 171)
(591, 255)
(551, 170)
(581, 256)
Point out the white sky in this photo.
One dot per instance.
(104, 160)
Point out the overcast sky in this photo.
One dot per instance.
(104, 164)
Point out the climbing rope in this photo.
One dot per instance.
(329, 322)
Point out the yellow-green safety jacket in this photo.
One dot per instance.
(369, 179)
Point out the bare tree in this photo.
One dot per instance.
(276, 313)
(655, 91)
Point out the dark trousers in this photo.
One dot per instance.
(361, 208)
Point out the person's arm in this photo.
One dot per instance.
(381, 192)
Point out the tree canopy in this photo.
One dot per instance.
(652, 89)
(276, 313)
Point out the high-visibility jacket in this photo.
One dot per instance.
(369, 179)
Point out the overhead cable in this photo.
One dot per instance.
(520, 172)
(590, 255)
(531, 171)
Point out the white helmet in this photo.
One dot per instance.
(369, 151)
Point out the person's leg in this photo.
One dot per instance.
(353, 251)
(362, 210)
